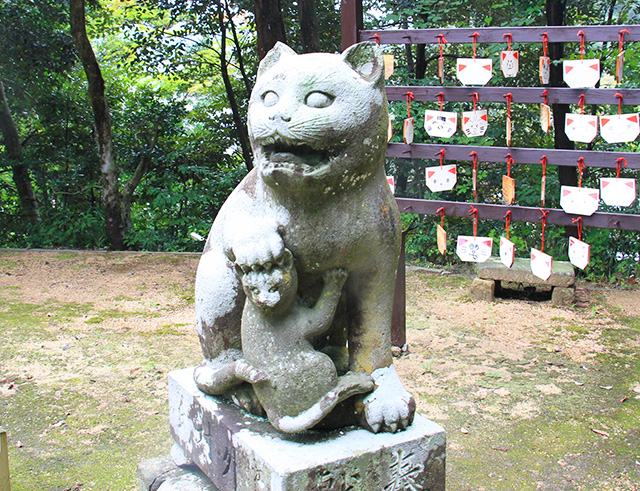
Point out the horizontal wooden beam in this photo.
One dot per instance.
(518, 213)
(520, 155)
(525, 95)
(557, 34)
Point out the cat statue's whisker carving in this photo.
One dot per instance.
(317, 201)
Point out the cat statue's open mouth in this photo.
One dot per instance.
(294, 157)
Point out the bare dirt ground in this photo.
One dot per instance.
(532, 396)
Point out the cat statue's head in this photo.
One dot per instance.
(319, 120)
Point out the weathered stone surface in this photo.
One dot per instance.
(483, 290)
(563, 296)
(563, 273)
(162, 474)
(238, 451)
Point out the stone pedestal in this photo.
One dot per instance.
(237, 451)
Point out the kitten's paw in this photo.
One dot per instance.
(249, 373)
(336, 276)
(389, 408)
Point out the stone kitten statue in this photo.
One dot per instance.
(297, 385)
(318, 126)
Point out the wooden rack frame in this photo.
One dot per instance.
(353, 32)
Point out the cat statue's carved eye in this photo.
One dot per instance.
(270, 98)
(318, 99)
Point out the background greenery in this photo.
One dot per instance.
(160, 60)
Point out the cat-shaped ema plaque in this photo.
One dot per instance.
(507, 252)
(581, 127)
(440, 124)
(475, 123)
(474, 71)
(581, 74)
(391, 181)
(441, 177)
(619, 128)
(474, 249)
(544, 69)
(541, 264)
(618, 191)
(509, 63)
(407, 131)
(579, 253)
(579, 201)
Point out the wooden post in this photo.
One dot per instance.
(5, 484)
(351, 21)
(399, 319)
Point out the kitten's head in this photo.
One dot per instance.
(272, 289)
(318, 117)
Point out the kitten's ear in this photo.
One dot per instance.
(275, 54)
(366, 59)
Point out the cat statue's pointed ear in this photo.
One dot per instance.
(366, 59)
(275, 54)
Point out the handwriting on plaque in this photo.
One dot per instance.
(404, 472)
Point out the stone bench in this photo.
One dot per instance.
(492, 274)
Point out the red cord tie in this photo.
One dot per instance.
(620, 162)
(581, 167)
(507, 224)
(578, 222)
(441, 42)
(581, 101)
(545, 44)
(440, 211)
(581, 35)
(441, 153)
(620, 98)
(621, 34)
(440, 97)
(543, 181)
(474, 42)
(473, 211)
(545, 97)
(509, 97)
(510, 162)
(475, 97)
(509, 37)
(376, 38)
(474, 174)
(543, 221)
(410, 97)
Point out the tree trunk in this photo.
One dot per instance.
(245, 78)
(308, 26)
(408, 52)
(28, 203)
(421, 61)
(269, 24)
(241, 127)
(556, 17)
(111, 197)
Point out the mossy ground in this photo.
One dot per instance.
(532, 396)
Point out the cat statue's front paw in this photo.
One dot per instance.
(389, 408)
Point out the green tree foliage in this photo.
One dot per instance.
(172, 110)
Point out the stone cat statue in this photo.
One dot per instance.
(317, 124)
(297, 385)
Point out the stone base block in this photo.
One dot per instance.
(238, 451)
(163, 474)
(562, 297)
(563, 274)
(483, 290)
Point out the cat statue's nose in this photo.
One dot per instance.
(284, 117)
